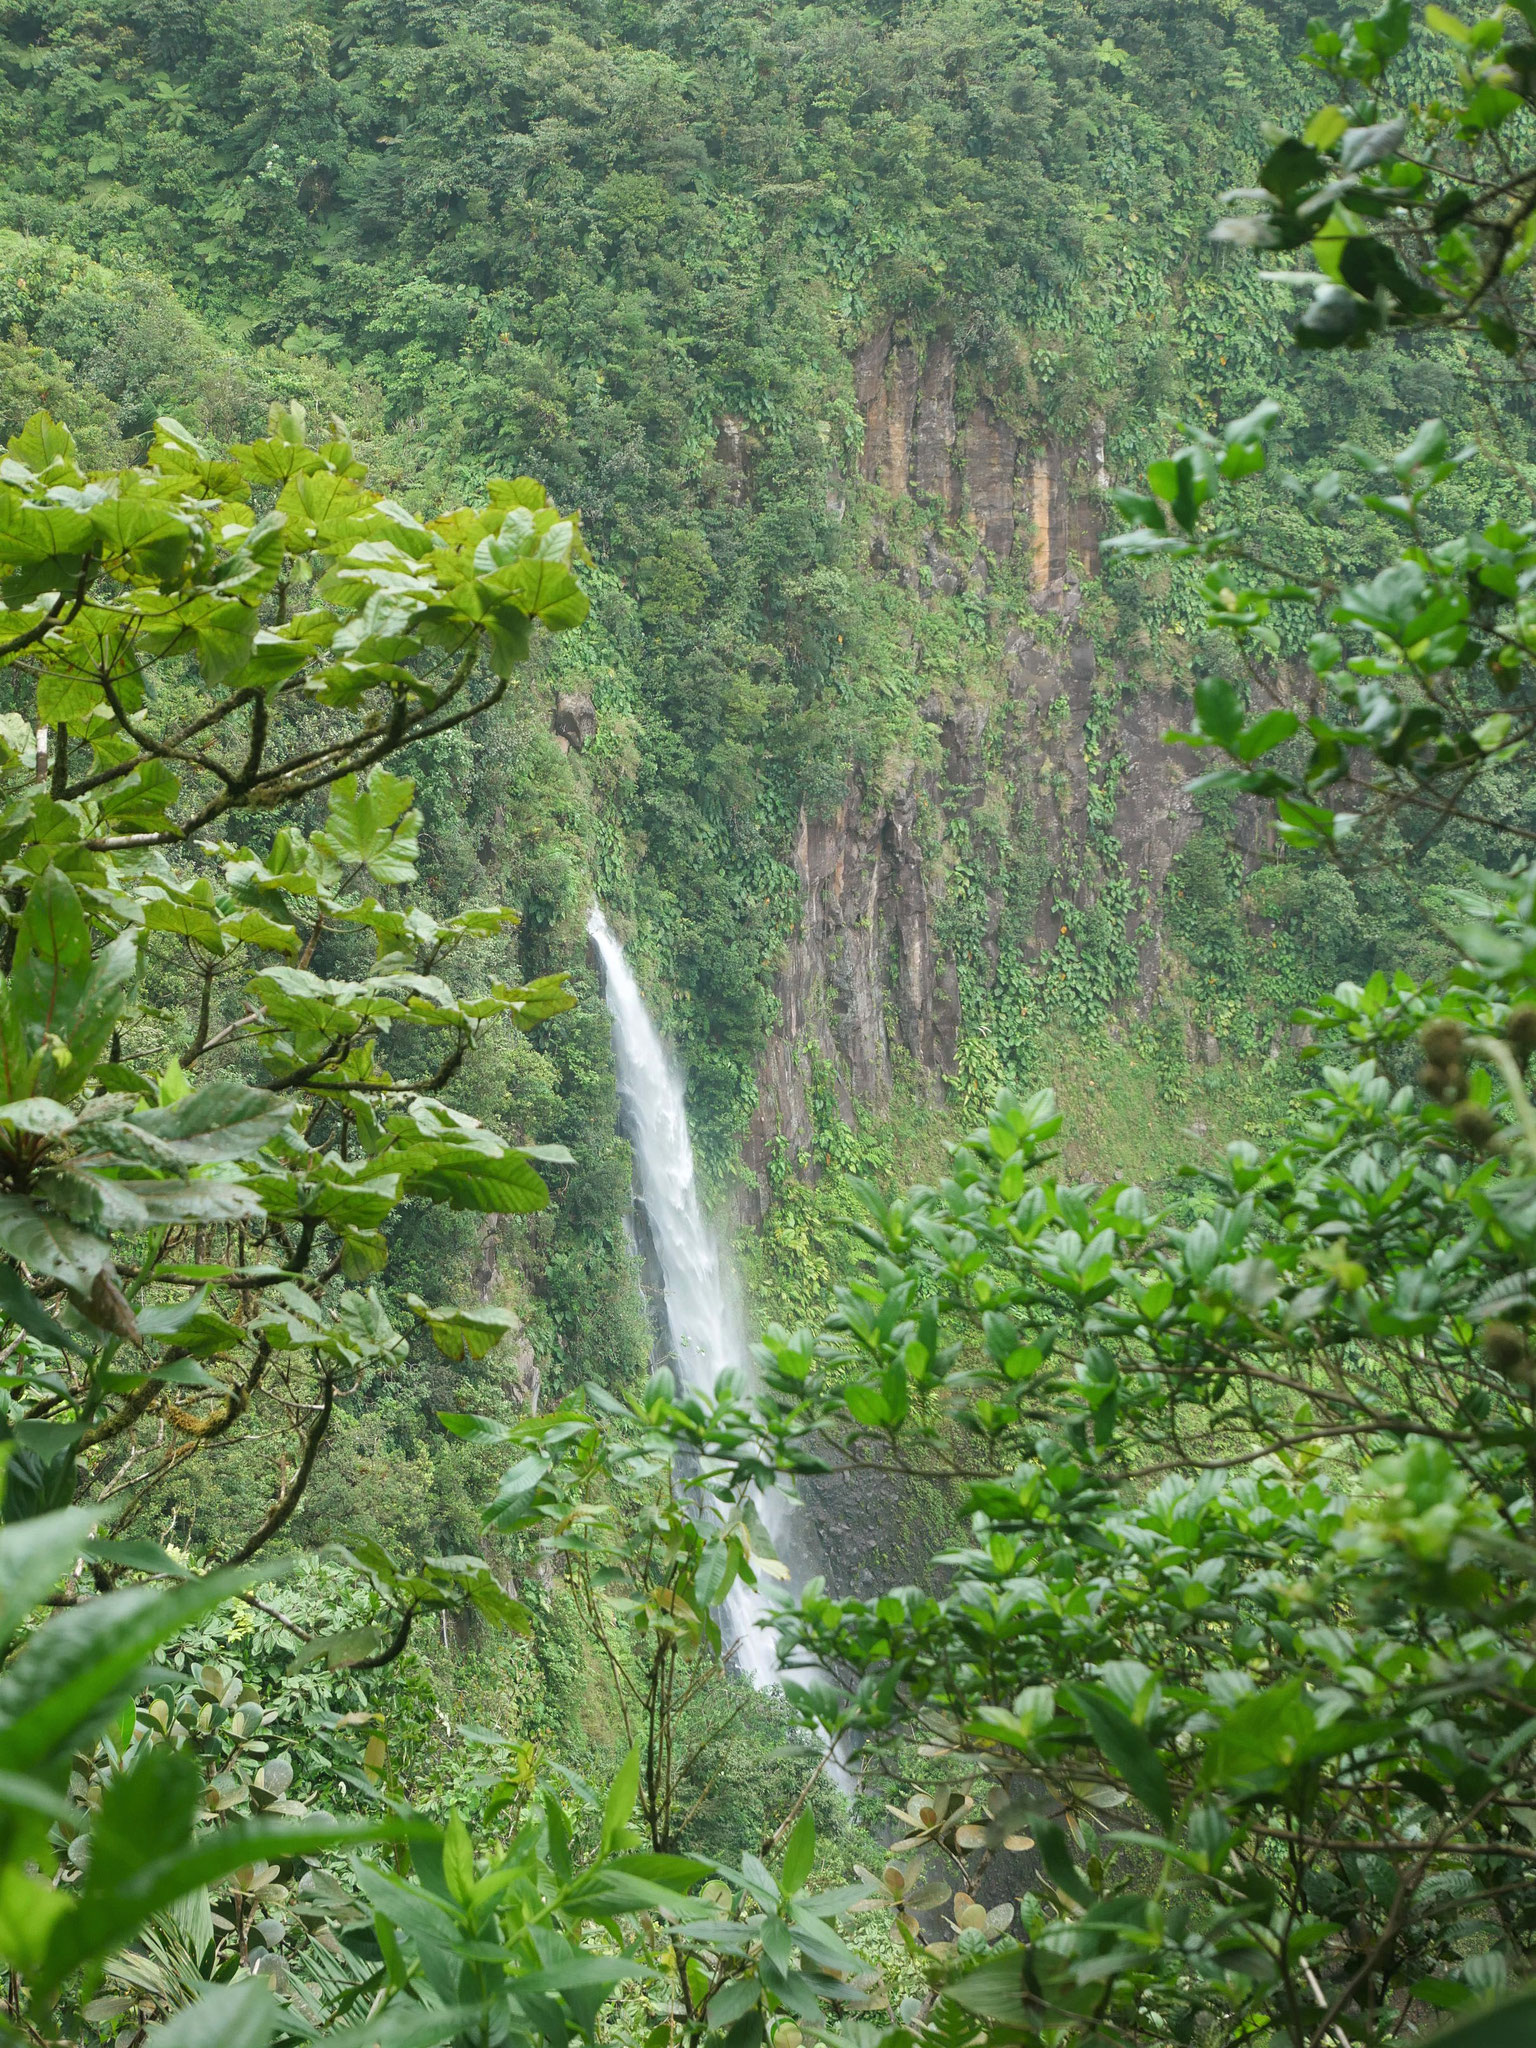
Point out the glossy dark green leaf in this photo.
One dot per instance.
(799, 1853)
(34, 1555)
(1126, 1748)
(18, 1304)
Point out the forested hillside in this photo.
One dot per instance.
(842, 341)
(639, 253)
(834, 322)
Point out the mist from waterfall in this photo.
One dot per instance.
(706, 1332)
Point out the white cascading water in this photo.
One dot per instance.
(706, 1334)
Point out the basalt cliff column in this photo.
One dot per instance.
(866, 978)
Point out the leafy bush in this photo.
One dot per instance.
(192, 1251)
(178, 1250)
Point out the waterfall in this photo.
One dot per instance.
(706, 1333)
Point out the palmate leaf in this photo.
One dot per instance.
(63, 695)
(154, 537)
(40, 443)
(457, 1331)
(372, 828)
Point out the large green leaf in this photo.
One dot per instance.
(614, 1887)
(18, 1304)
(38, 1116)
(476, 1429)
(106, 1205)
(465, 1179)
(53, 958)
(40, 1474)
(99, 1008)
(83, 1662)
(224, 1121)
(34, 1556)
(239, 2015)
(428, 1920)
(799, 1854)
(50, 1246)
(518, 1490)
(1509, 2024)
(59, 1007)
(622, 1794)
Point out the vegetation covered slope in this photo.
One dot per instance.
(579, 239)
(1243, 1639)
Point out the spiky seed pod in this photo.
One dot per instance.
(1504, 1347)
(1474, 1124)
(1520, 1030)
(1442, 1039)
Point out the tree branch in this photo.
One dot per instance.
(289, 1499)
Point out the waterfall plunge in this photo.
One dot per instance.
(706, 1333)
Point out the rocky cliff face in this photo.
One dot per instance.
(1036, 499)
(1057, 744)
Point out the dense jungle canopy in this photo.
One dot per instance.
(778, 472)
